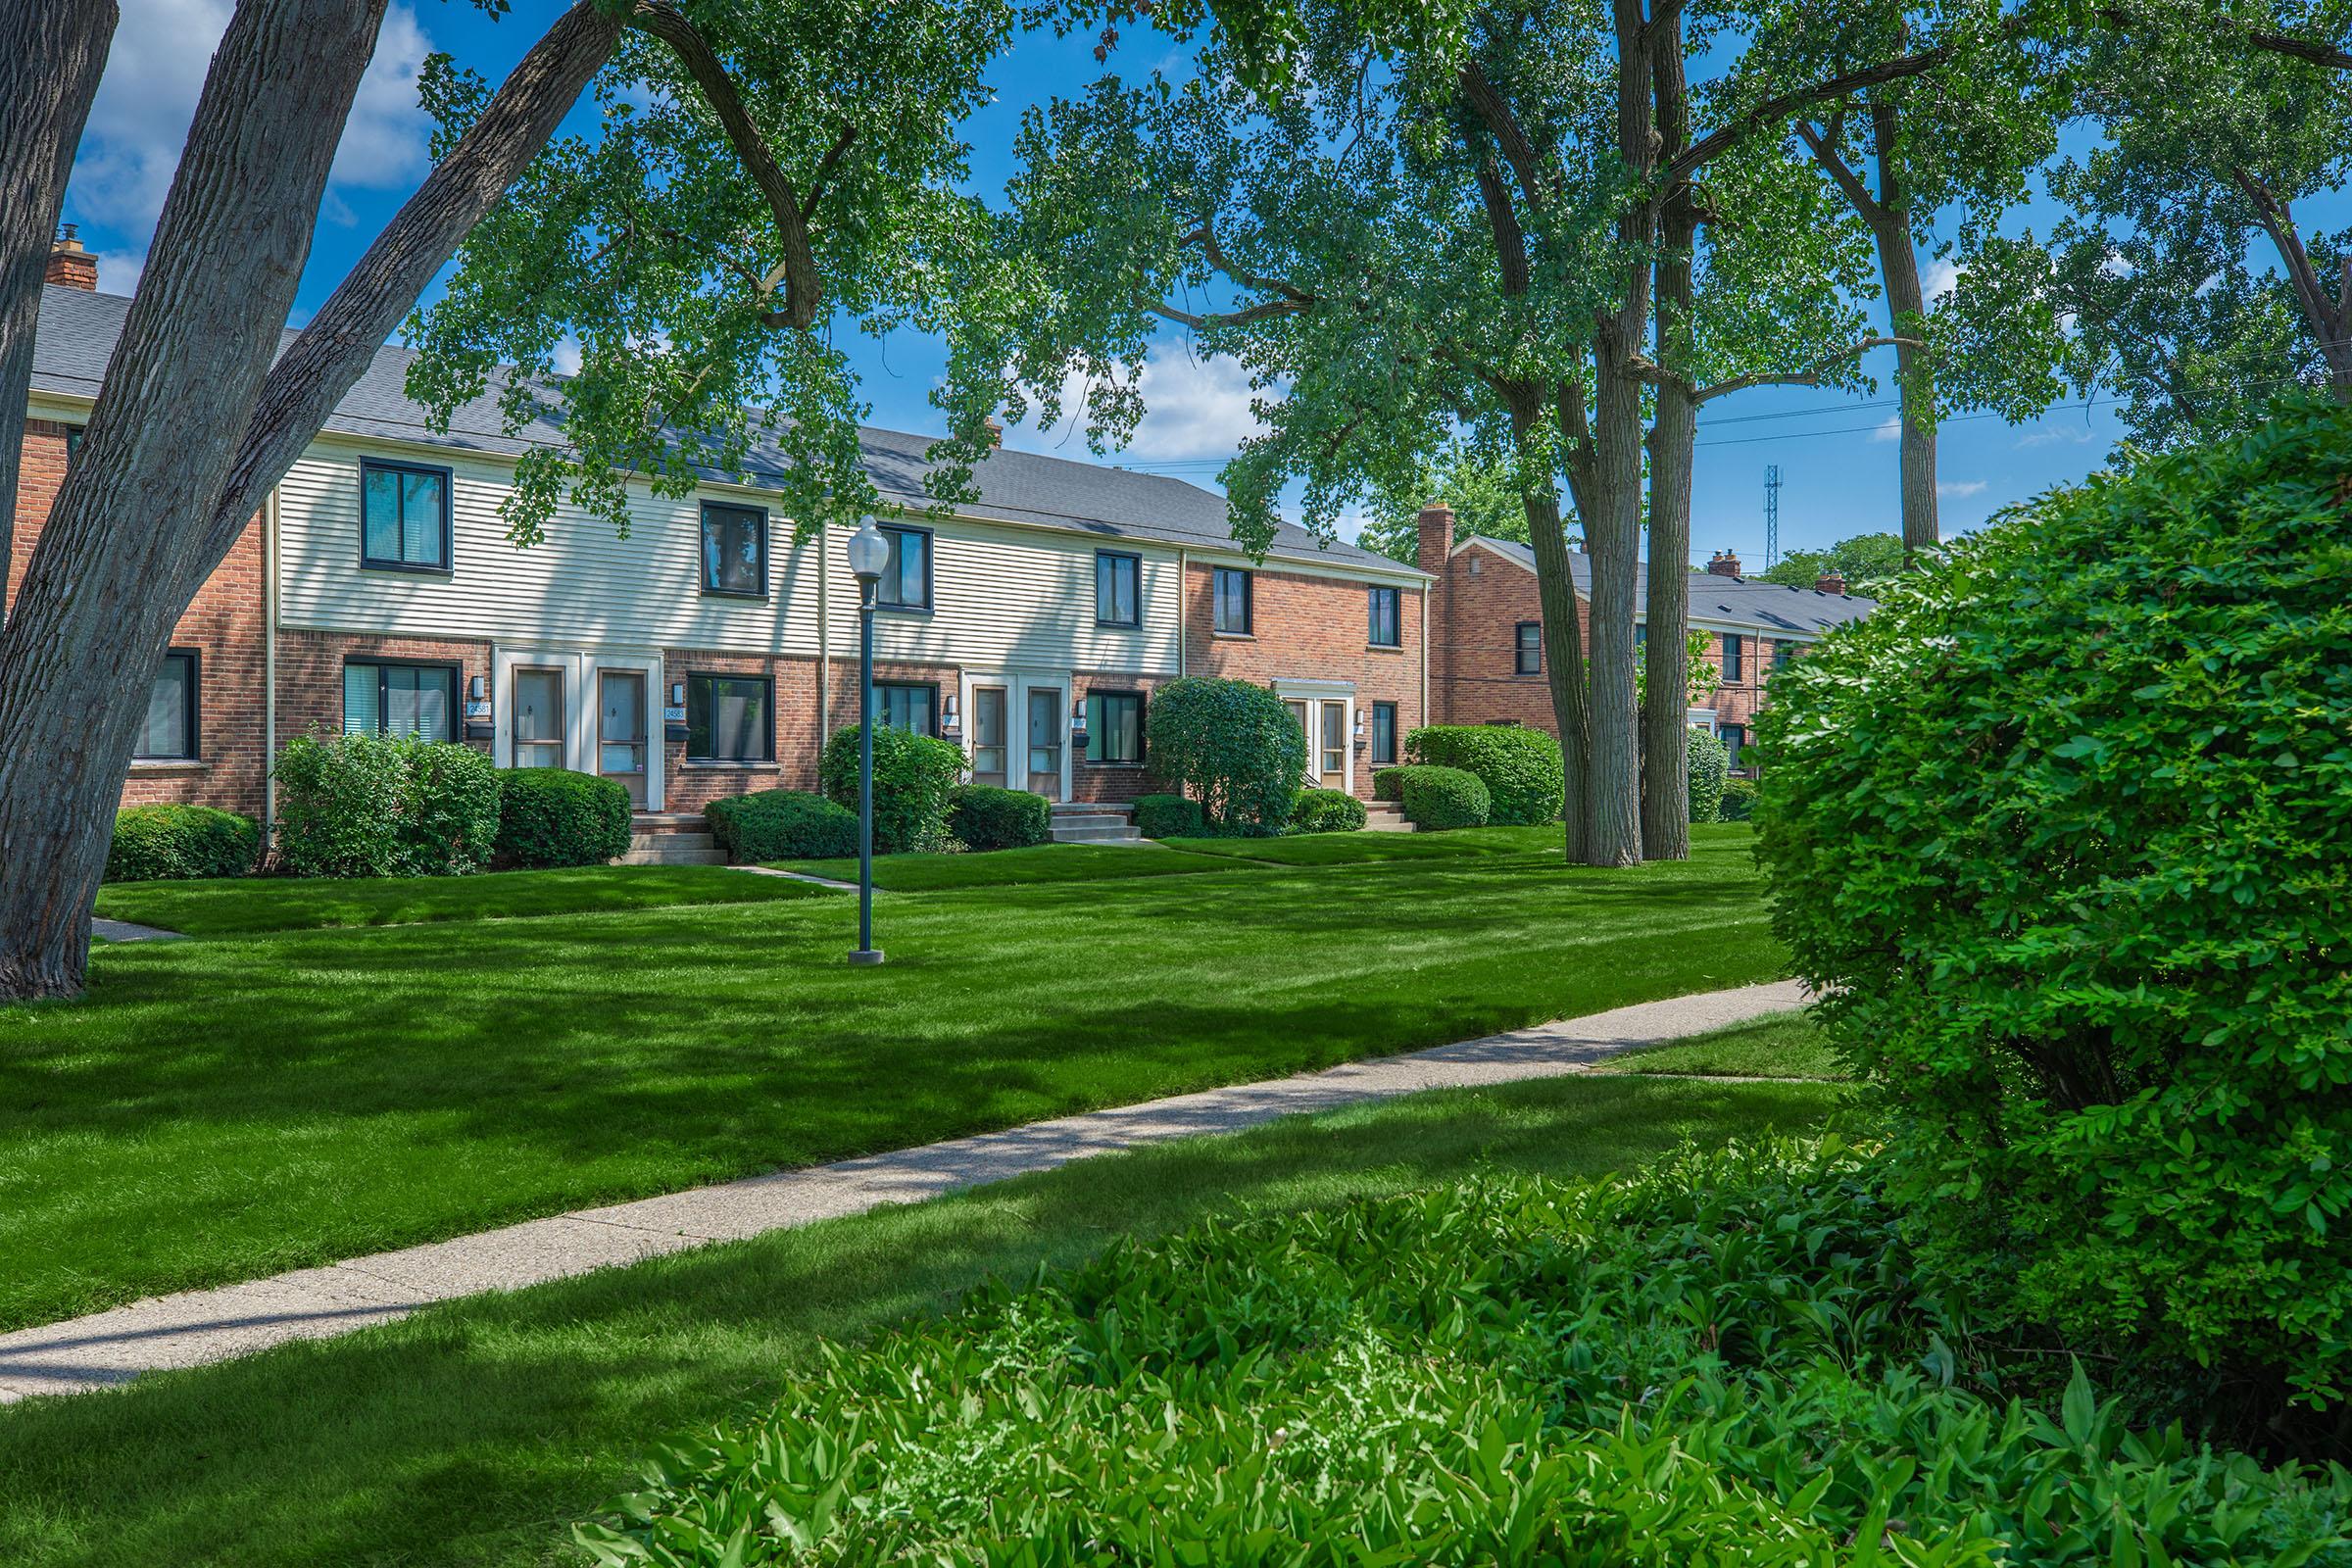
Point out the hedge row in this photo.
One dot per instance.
(1519, 767)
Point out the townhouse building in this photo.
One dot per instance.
(711, 649)
(1485, 632)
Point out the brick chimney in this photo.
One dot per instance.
(1830, 582)
(996, 432)
(1437, 538)
(70, 265)
(1723, 564)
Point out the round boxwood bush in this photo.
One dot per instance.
(985, 817)
(914, 783)
(1234, 746)
(1326, 812)
(1167, 816)
(782, 825)
(1711, 770)
(553, 817)
(1444, 796)
(2061, 832)
(1388, 783)
(1519, 766)
(1738, 804)
(366, 805)
(172, 843)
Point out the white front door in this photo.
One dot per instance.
(1018, 730)
(590, 712)
(1325, 712)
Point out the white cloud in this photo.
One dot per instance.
(1943, 276)
(1960, 489)
(1890, 429)
(155, 70)
(568, 356)
(2053, 435)
(1194, 407)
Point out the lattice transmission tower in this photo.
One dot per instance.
(1772, 516)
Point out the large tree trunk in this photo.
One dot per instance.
(1666, 657)
(51, 54)
(1907, 310)
(1564, 631)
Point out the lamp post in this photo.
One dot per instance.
(869, 553)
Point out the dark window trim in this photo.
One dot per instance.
(195, 716)
(1732, 665)
(1519, 648)
(457, 688)
(449, 519)
(1141, 705)
(1248, 602)
(930, 686)
(930, 560)
(770, 701)
(1396, 617)
(1130, 556)
(702, 550)
(1378, 760)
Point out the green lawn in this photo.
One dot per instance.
(225, 1109)
(1787, 1045)
(248, 904)
(475, 1433)
(1353, 849)
(1046, 862)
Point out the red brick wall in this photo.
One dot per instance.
(1115, 781)
(310, 675)
(1310, 628)
(223, 624)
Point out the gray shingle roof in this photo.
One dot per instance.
(78, 331)
(1746, 600)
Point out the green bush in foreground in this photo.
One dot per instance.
(1711, 770)
(1520, 767)
(782, 825)
(1167, 816)
(1388, 783)
(366, 805)
(2063, 830)
(914, 782)
(1438, 798)
(551, 817)
(1326, 812)
(175, 843)
(1720, 1362)
(985, 817)
(1234, 746)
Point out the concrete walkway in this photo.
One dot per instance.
(201, 1325)
(125, 931)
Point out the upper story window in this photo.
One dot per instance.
(387, 697)
(734, 551)
(1734, 739)
(906, 575)
(730, 718)
(404, 516)
(913, 708)
(1734, 656)
(170, 732)
(1783, 651)
(1233, 606)
(1387, 621)
(1527, 648)
(1119, 589)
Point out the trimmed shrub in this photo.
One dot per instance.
(1388, 783)
(552, 816)
(1438, 798)
(1711, 770)
(1168, 816)
(173, 843)
(1519, 766)
(369, 805)
(2060, 833)
(782, 825)
(1326, 812)
(1234, 746)
(986, 817)
(914, 784)
(1738, 802)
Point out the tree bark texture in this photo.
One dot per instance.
(1674, 433)
(1890, 220)
(1563, 630)
(51, 55)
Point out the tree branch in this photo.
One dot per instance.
(1826, 154)
(826, 165)
(1718, 142)
(1264, 311)
(2317, 54)
(1809, 376)
(1517, 149)
(2278, 222)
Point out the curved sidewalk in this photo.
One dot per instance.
(197, 1327)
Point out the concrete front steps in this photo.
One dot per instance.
(1089, 823)
(1386, 816)
(672, 837)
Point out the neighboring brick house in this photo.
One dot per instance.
(710, 652)
(1485, 632)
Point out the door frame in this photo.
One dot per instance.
(581, 699)
(1316, 695)
(1018, 679)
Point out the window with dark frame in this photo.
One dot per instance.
(1233, 606)
(907, 574)
(1734, 737)
(404, 516)
(1733, 655)
(1527, 648)
(734, 551)
(1387, 621)
(730, 718)
(902, 705)
(1783, 651)
(1114, 727)
(1383, 732)
(1119, 589)
(170, 733)
(405, 698)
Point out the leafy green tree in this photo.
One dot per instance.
(1478, 485)
(1866, 558)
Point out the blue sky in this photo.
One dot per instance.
(1836, 453)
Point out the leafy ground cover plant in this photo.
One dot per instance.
(1326, 812)
(781, 825)
(985, 817)
(552, 816)
(1167, 816)
(366, 805)
(176, 843)
(1520, 767)
(1723, 1359)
